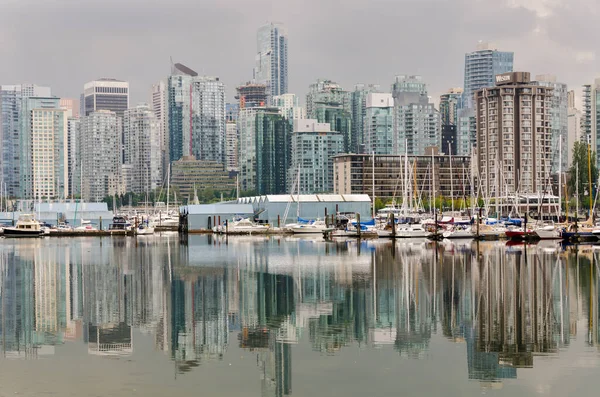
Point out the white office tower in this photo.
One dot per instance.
(43, 159)
(159, 107)
(105, 94)
(100, 149)
(142, 145)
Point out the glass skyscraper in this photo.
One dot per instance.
(272, 58)
(481, 67)
(196, 106)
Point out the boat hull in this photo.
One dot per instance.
(14, 232)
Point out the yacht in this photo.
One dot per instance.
(412, 231)
(459, 232)
(120, 224)
(547, 232)
(85, 226)
(145, 228)
(246, 226)
(26, 226)
(317, 227)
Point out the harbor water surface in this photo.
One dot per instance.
(283, 316)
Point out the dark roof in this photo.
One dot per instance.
(179, 68)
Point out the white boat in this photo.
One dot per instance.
(246, 226)
(457, 232)
(547, 232)
(317, 227)
(85, 226)
(26, 226)
(144, 228)
(120, 224)
(412, 231)
(168, 220)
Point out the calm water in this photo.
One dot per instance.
(158, 316)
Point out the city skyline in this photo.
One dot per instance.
(143, 50)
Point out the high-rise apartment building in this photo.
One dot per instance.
(595, 117)
(481, 68)
(71, 105)
(289, 106)
(11, 97)
(43, 145)
(264, 150)
(416, 121)
(73, 159)
(272, 58)
(142, 148)
(559, 122)
(100, 151)
(514, 149)
(379, 123)
(105, 94)
(358, 103)
(231, 111)
(450, 103)
(231, 146)
(313, 147)
(159, 107)
(586, 126)
(327, 102)
(196, 115)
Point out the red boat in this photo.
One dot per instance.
(520, 234)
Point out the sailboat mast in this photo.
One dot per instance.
(576, 190)
(168, 185)
(298, 195)
(373, 177)
(559, 177)
(590, 179)
(433, 179)
(451, 180)
(406, 185)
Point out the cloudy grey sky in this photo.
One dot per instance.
(64, 43)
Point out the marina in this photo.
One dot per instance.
(289, 315)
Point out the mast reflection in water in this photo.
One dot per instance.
(201, 297)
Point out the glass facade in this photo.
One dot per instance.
(481, 67)
(272, 58)
(379, 130)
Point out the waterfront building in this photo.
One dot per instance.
(264, 150)
(289, 107)
(271, 59)
(100, 151)
(466, 135)
(142, 144)
(11, 97)
(252, 95)
(196, 115)
(378, 127)
(358, 104)
(416, 121)
(231, 146)
(574, 127)
(450, 103)
(352, 174)
(514, 149)
(481, 68)
(43, 144)
(591, 115)
(272, 208)
(105, 94)
(159, 107)
(313, 147)
(559, 123)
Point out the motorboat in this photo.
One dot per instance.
(120, 224)
(412, 231)
(459, 232)
(317, 226)
(547, 232)
(27, 226)
(145, 228)
(519, 233)
(85, 226)
(168, 220)
(246, 226)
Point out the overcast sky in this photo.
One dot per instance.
(65, 43)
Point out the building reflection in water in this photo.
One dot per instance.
(197, 296)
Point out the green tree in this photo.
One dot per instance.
(579, 172)
(379, 204)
